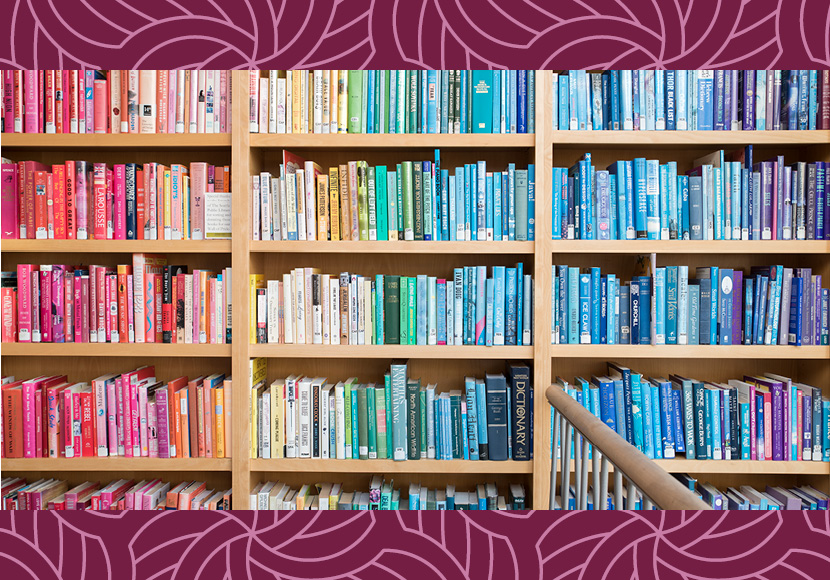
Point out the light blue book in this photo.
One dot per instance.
(637, 411)
(498, 305)
(447, 196)
(705, 97)
(648, 419)
(626, 103)
(666, 417)
(432, 310)
(640, 197)
(663, 171)
(673, 205)
(379, 310)
(735, 176)
(444, 80)
(612, 192)
(460, 206)
(355, 436)
(595, 295)
(595, 98)
(496, 101)
(469, 211)
(657, 423)
(453, 224)
(463, 107)
(505, 228)
(761, 100)
(489, 327)
(510, 293)
(691, 99)
(812, 83)
(480, 305)
(465, 436)
(421, 302)
(564, 99)
(429, 397)
(399, 192)
(584, 301)
(660, 305)
(681, 80)
(653, 199)
(619, 408)
(481, 410)
(672, 310)
(498, 208)
(719, 213)
(694, 314)
(429, 222)
(713, 314)
(660, 100)
(472, 416)
(582, 99)
(825, 438)
(611, 315)
(603, 231)
(557, 188)
(489, 207)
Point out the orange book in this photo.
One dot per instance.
(193, 416)
(190, 492)
(227, 179)
(59, 200)
(173, 495)
(217, 399)
(173, 398)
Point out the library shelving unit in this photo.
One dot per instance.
(249, 154)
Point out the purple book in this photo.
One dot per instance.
(816, 311)
(807, 427)
(821, 199)
(787, 500)
(729, 94)
(749, 100)
(163, 426)
(806, 305)
(826, 200)
(811, 201)
(776, 389)
(737, 306)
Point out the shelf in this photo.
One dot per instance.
(116, 464)
(707, 466)
(386, 466)
(43, 141)
(390, 351)
(678, 139)
(622, 351)
(394, 141)
(122, 349)
(635, 247)
(393, 247)
(118, 246)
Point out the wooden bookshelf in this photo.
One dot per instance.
(251, 154)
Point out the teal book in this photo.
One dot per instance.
(380, 307)
(421, 310)
(417, 201)
(378, 175)
(429, 411)
(406, 172)
(489, 292)
(412, 303)
(347, 411)
(482, 85)
(372, 421)
(387, 398)
(355, 104)
(657, 429)
(413, 421)
(637, 411)
(573, 305)
(472, 416)
(355, 437)
(398, 380)
(480, 311)
(648, 420)
(404, 318)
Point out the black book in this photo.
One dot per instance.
(315, 418)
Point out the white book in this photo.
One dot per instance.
(289, 106)
(450, 312)
(291, 416)
(262, 311)
(188, 309)
(276, 209)
(360, 311)
(307, 120)
(316, 311)
(459, 300)
(263, 105)
(682, 305)
(311, 199)
(325, 297)
(432, 311)
(304, 425)
(333, 100)
(318, 101)
(334, 305)
(283, 208)
(265, 206)
(299, 305)
(210, 101)
(280, 105)
(342, 101)
(265, 424)
(272, 101)
(368, 313)
(273, 290)
(290, 213)
(288, 308)
(324, 421)
(219, 301)
(340, 420)
(138, 296)
(352, 295)
(301, 203)
(256, 204)
(179, 101)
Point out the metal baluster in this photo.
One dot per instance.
(632, 496)
(553, 458)
(648, 505)
(566, 463)
(618, 481)
(603, 484)
(577, 470)
(584, 478)
(595, 475)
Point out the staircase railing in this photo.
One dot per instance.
(608, 450)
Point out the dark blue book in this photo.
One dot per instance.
(683, 190)
(625, 315)
(519, 302)
(720, 97)
(796, 302)
(671, 99)
(803, 99)
(635, 311)
(607, 401)
(762, 310)
(749, 305)
(645, 310)
(521, 102)
(521, 415)
(614, 76)
(677, 421)
(623, 374)
(496, 398)
(705, 308)
(606, 100)
(699, 404)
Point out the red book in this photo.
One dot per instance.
(59, 200)
(59, 119)
(26, 195)
(88, 434)
(99, 188)
(13, 419)
(139, 202)
(71, 210)
(8, 299)
(65, 100)
(41, 206)
(158, 297)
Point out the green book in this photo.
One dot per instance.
(362, 201)
(379, 175)
(347, 396)
(392, 309)
(387, 397)
(381, 428)
(413, 422)
(396, 500)
(413, 302)
(455, 424)
(521, 204)
(426, 182)
(482, 103)
(418, 202)
(469, 102)
(423, 410)
(386, 496)
(371, 187)
(412, 119)
(404, 319)
(405, 172)
(387, 105)
(355, 101)
(399, 199)
(362, 423)
(371, 421)
(364, 81)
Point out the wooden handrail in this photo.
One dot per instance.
(663, 489)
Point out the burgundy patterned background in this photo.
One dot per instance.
(408, 34)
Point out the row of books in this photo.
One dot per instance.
(724, 197)
(392, 101)
(416, 201)
(148, 301)
(701, 100)
(116, 101)
(746, 497)
(770, 305)
(130, 414)
(400, 419)
(121, 494)
(765, 417)
(126, 201)
(307, 307)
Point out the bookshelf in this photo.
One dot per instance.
(251, 153)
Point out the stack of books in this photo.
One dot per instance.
(746, 497)
(769, 305)
(148, 301)
(724, 197)
(130, 414)
(127, 201)
(116, 101)
(414, 201)
(307, 307)
(702, 100)
(393, 101)
(398, 418)
(383, 495)
(122, 494)
(759, 417)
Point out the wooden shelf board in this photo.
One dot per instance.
(116, 349)
(393, 247)
(396, 141)
(116, 464)
(119, 141)
(677, 139)
(634, 247)
(390, 351)
(704, 466)
(118, 246)
(389, 466)
(611, 352)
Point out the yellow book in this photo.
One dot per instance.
(277, 421)
(256, 281)
(296, 101)
(218, 397)
(334, 203)
(322, 207)
(258, 368)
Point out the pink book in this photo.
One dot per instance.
(196, 294)
(99, 391)
(157, 295)
(77, 442)
(113, 307)
(106, 309)
(162, 420)
(223, 100)
(210, 297)
(198, 187)
(58, 303)
(86, 308)
(152, 428)
(30, 92)
(69, 305)
(114, 492)
(45, 285)
(143, 418)
(150, 307)
(122, 409)
(100, 111)
(130, 309)
(136, 377)
(208, 411)
(78, 283)
(120, 202)
(24, 302)
(99, 187)
(65, 103)
(89, 95)
(53, 420)
(8, 199)
(68, 446)
(112, 417)
(72, 495)
(35, 283)
(77, 101)
(172, 78)
(194, 99)
(8, 101)
(82, 229)
(38, 423)
(109, 203)
(96, 303)
(49, 91)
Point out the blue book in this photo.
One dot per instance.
(648, 420)
(717, 430)
(626, 104)
(624, 376)
(671, 100)
(498, 208)
(640, 198)
(612, 314)
(660, 100)
(743, 409)
(472, 417)
(656, 419)
(653, 199)
(812, 84)
(556, 210)
(531, 202)
(713, 308)
(677, 421)
(635, 310)
(489, 208)
(666, 417)
(514, 108)
(582, 99)
(432, 101)
(825, 421)
(803, 99)
(705, 309)
(694, 312)
(521, 102)
(461, 221)
(614, 104)
(620, 408)
(645, 310)
(796, 315)
(447, 198)
(603, 206)
(469, 203)
(511, 201)
(441, 292)
(481, 416)
(719, 100)
(463, 106)
(498, 305)
(684, 232)
(505, 206)
(705, 94)
(519, 302)
(584, 309)
(671, 304)
(762, 289)
(489, 291)
(637, 407)
(564, 102)
(421, 309)
(625, 314)
(660, 306)
(510, 327)
(595, 314)
(497, 104)
(696, 218)
(480, 313)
